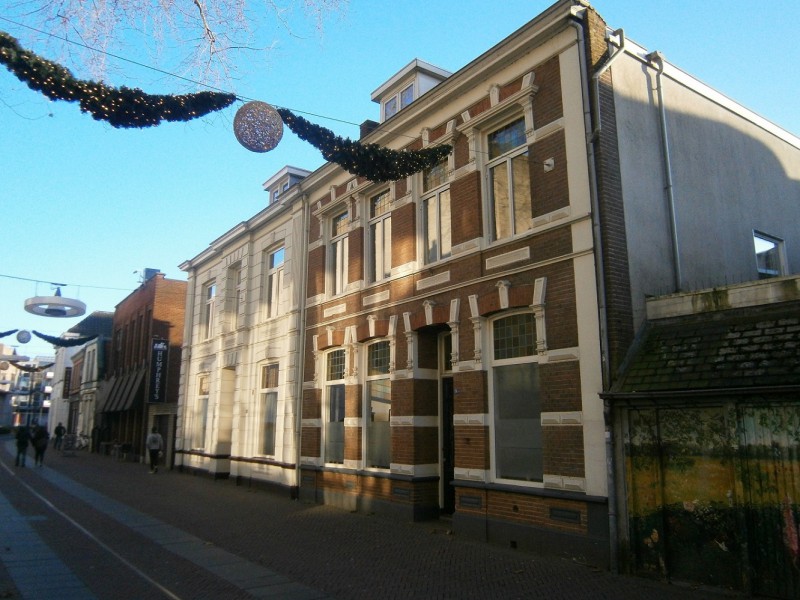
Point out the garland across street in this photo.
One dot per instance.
(125, 107)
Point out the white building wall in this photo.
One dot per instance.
(233, 357)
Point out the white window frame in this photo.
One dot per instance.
(399, 100)
(338, 247)
(200, 425)
(374, 377)
(760, 242)
(379, 242)
(333, 387)
(273, 280)
(515, 224)
(494, 365)
(436, 229)
(209, 308)
(268, 409)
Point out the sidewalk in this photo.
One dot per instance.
(315, 551)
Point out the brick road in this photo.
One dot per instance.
(89, 526)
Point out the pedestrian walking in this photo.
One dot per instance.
(154, 445)
(59, 432)
(23, 439)
(39, 439)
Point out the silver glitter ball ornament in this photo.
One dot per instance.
(258, 126)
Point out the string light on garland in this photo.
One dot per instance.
(371, 161)
(121, 107)
(258, 126)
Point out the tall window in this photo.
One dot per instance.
(436, 213)
(509, 180)
(274, 281)
(380, 237)
(209, 297)
(200, 414)
(378, 391)
(516, 397)
(269, 407)
(339, 252)
(334, 403)
(236, 295)
(770, 255)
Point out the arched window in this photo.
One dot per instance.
(378, 407)
(516, 399)
(334, 407)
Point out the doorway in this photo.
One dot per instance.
(448, 494)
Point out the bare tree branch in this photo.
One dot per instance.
(211, 34)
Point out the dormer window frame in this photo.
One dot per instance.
(399, 99)
(282, 182)
(407, 86)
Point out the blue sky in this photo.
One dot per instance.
(85, 204)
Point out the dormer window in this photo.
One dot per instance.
(398, 102)
(279, 184)
(410, 83)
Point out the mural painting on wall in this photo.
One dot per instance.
(712, 495)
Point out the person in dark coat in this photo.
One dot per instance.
(60, 430)
(23, 438)
(39, 438)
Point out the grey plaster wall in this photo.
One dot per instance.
(732, 174)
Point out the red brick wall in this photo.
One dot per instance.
(418, 397)
(352, 443)
(550, 189)
(561, 386)
(466, 208)
(471, 447)
(404, 235)
(355, 265)
(547, 106)
(400, 188)
(563, 450)
(316, 271)
(470, 392)
(310, 441)
(352, 401)
(612, 214)
(312, 404)
(534, 510)
(415, 445)
(461, 151)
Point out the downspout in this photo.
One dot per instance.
(577, 22)
(656, 59)
(186, 362)
(298, 425)
(619, 34)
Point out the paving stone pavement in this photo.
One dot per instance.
(89, 526)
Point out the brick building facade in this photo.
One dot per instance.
(451, 333)
(143, 374)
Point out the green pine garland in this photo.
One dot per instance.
(131, 107)
(371, 161)
(30, 368)
(64, 343)
(121, 107)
